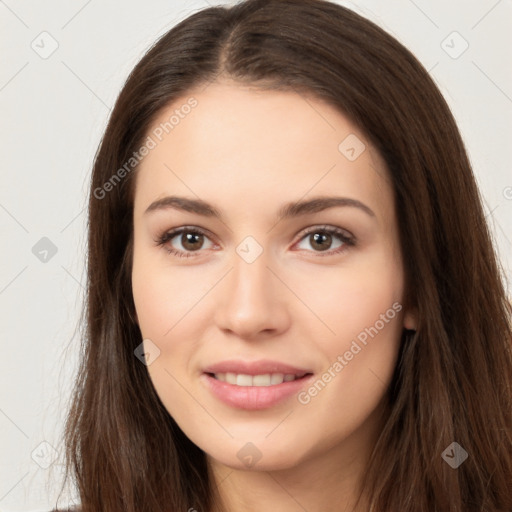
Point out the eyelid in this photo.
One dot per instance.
(329, 229)
(347, 239)
(169, 234)
(344, 235)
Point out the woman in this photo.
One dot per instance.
(293, 298)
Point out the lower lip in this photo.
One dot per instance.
(253, 397)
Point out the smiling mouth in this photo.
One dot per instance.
(262, 380)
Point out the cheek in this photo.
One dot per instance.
(171, 309)
(164, 301)
(354, 298)
(359, 364)
(363, 311)
(164, 297)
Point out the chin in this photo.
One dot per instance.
(257, 456)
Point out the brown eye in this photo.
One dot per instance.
(320, 241)
(184, 241)
(328, 240)
(192, 241)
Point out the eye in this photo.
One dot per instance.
(185, 241)
(188, 240)
(322, 239)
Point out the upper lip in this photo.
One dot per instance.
(261, 367)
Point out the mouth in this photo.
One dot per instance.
(255, 385)
(255, 392)
(260, 380)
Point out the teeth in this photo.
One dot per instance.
(267, 379)
(243, 380)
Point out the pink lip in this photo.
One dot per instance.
(260, 367)
(254, 397)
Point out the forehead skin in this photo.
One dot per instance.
(269, 146)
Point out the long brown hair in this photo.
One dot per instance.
(453, 380)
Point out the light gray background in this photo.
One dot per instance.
(54, 111)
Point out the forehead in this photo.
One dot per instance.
(229, 140)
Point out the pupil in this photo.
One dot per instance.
(318, 238)
(191, 240)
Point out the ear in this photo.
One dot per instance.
(411, 319)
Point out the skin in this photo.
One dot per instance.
(247, 152)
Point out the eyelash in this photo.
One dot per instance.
(166, 236)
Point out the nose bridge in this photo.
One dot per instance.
(250, 303)
(250, 278)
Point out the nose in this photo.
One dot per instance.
(252, 301)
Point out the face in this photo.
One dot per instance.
(267, 276)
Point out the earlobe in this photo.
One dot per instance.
(411, 319)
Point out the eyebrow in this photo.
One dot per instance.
(288, 210)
